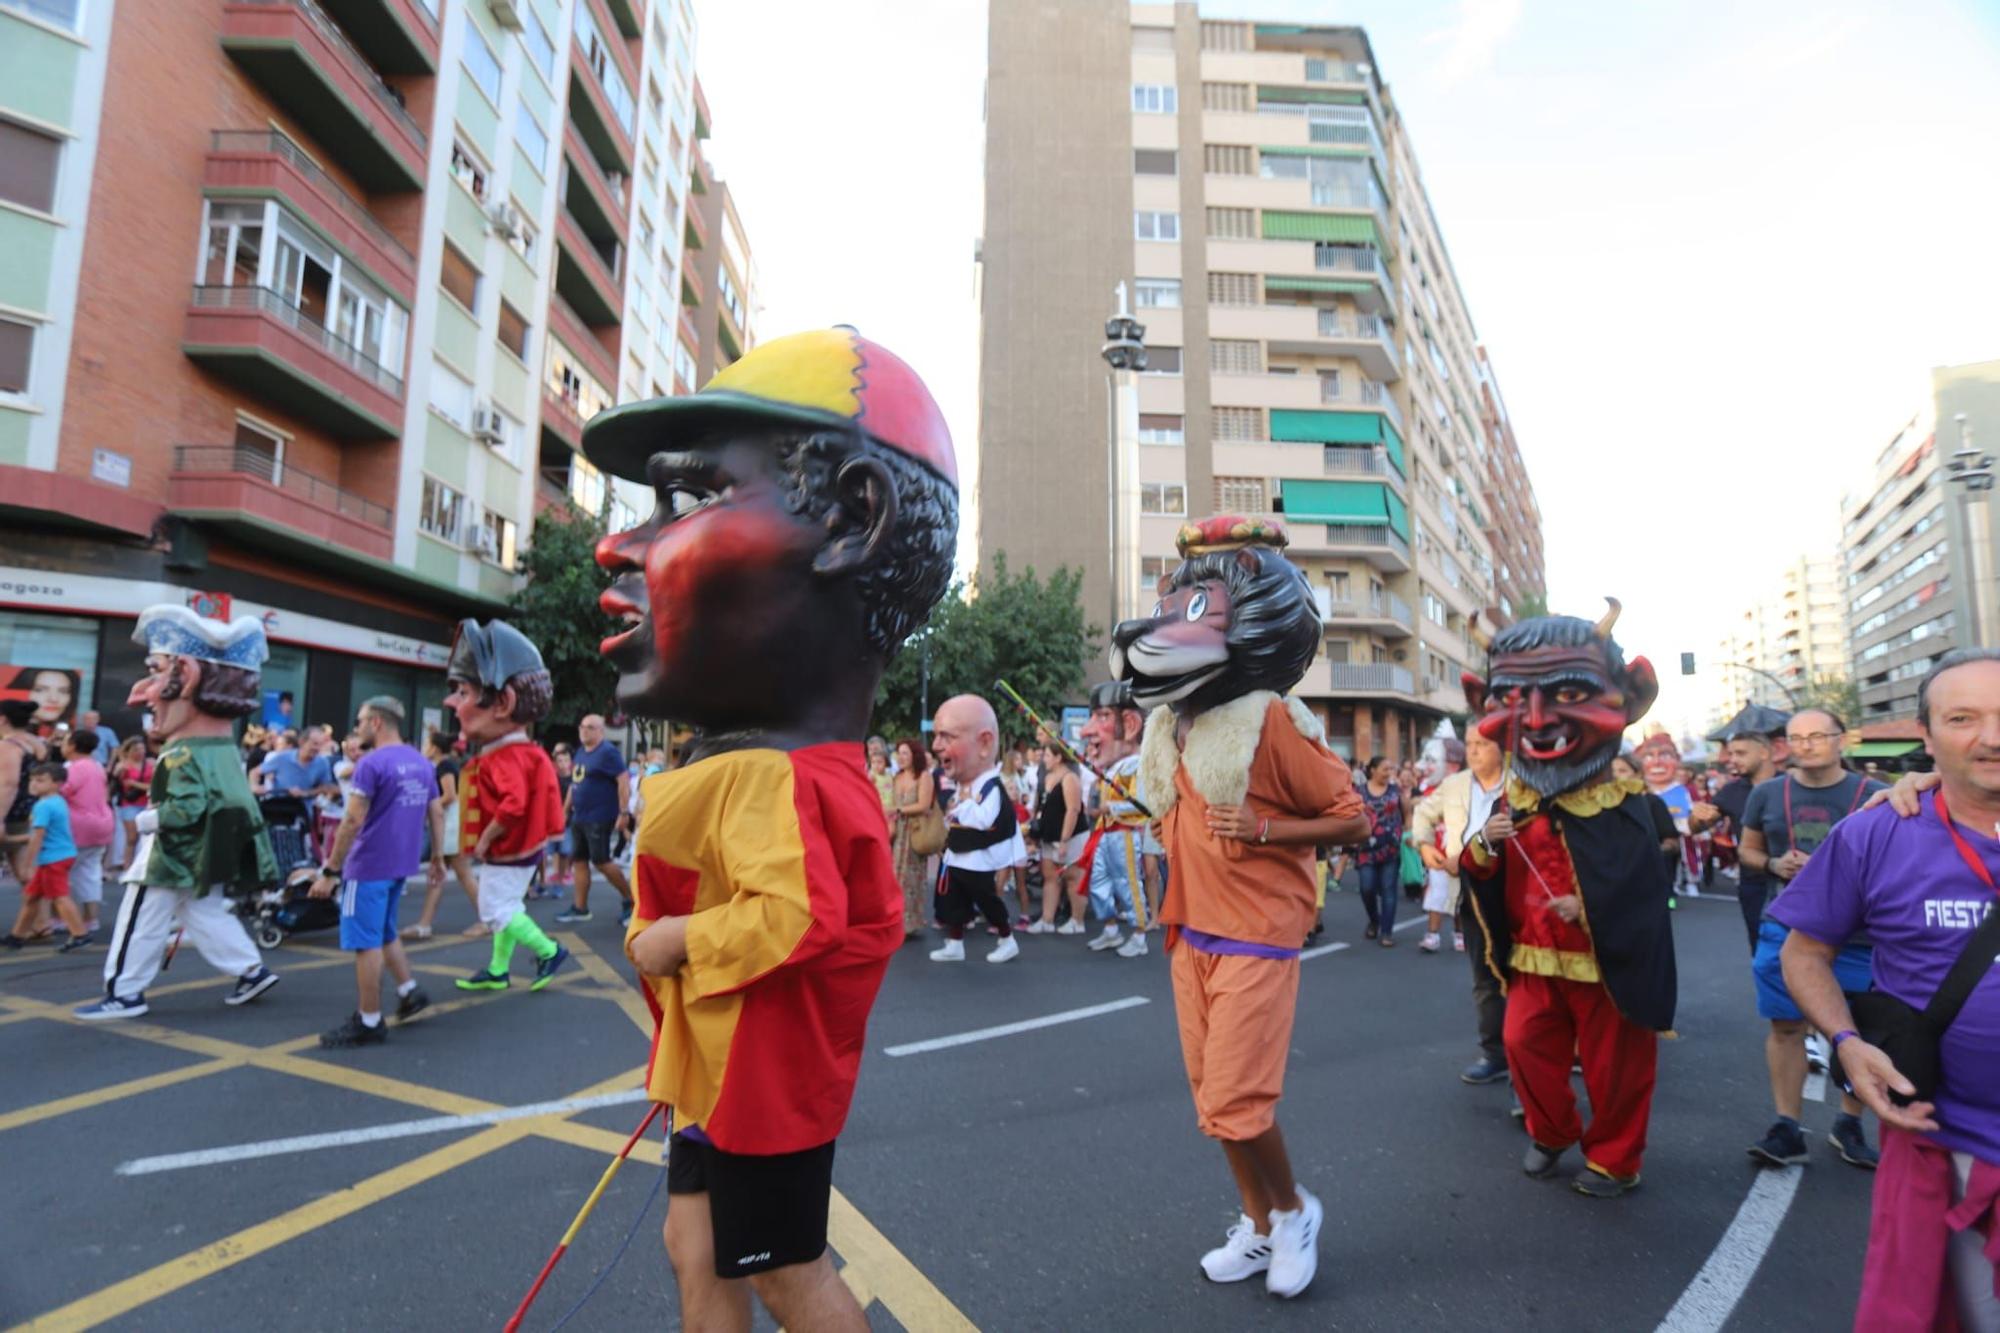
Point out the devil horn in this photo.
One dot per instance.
(1610, 618)
(1482, 638)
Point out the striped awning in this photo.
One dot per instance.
(1342, 286)
(1336, 501)
(1342, 228)
(1267, 93)
(1316, 150)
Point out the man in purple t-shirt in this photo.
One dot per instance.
(1918, 887)
(379, 845)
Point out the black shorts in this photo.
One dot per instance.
(591, 842)
(764, 1212)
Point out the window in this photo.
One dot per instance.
(368, 321)
(1225, 97)
(481, 63)
(1223, 159)
(28, 161)
(17, 347)
(1160, 428)
(1240, 495)
(683, 363)
(1329, 386)
(1163, 361)
(235, 245)
(656, 104)
(732, 300)
(451, 395)
(1152, 226)
(1152, 568)
(1235, 356)
(541, 47)
(459, 278)
(1232, 289)
(513, 331)
(1434, 607)
(1157, 293)
(1339, 588)
(1154, 98)
(1232, 224)
(468, 170)
(443, 511)
(259, 443)
(1155, 162)
(1239, 423)
(597, 54)
(1162, 497)
(495, 539)
(1337, 651)
(522, 239)
(534, 140)
(58, 13)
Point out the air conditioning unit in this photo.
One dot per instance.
(487, 424)
(504, 218)
(506, 13)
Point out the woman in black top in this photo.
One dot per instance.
(1060, 837)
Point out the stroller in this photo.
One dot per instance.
(284, 908)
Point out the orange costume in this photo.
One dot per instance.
(780, 861)
(1237, 912)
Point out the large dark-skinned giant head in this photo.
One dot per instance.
(805, 518)
(1557, 697)
(1233, 617)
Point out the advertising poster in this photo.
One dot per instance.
(53, 691)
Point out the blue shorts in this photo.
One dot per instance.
(368, 912)
(1853, 968)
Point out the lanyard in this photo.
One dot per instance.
(1791, 843)
(1964, 848)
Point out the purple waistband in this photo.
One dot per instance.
(1208, 943)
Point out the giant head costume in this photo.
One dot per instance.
(1659, 761)
(805, 518)
(201, 674)
(499, 683)
(1233, 617)
(1557, 697)
(1114, 726)
(1442, 756)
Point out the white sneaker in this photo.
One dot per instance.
(1001, 952)
(1458, 944)
(1038, 928)
(1111, 938)
(1816, 1059)
(1133, 947)
(1243, 1254)
(1294, 1247)
(1429, 944)
(952, 952)
(1070, 927)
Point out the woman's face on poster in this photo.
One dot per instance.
(52, 694)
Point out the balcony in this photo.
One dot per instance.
(259, 341)
(1388, 617)
(400, 36)
(1366, 338)
(1342, 460)
(695, 235)
(689, 336)
(561, 418)
(591, 111)
(263, 162)
(693, 290)
(552, 491)
(586, 277)
(630, 15)
(593, 195)
(1379, 544)
(576, 337)
(1357, 678)
(297, 54)
(274, 505)
(1336, 71)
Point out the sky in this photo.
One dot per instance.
(1713, 249)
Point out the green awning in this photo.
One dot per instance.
(1267, 93)
(1336, 501)
(1318, 150)
(1343, 286)
(1394, 442)
(1881, 749)
(1306, 426)
(1343, 228)
(1399, 516)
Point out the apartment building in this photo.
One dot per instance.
(1906, 552)
(303, 304)
(1310, 354)
(1790, 637)
(1509, 513)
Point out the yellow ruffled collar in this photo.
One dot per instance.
(1583, 802)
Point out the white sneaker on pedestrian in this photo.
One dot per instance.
(1007, 948)
(1243, 1254)
(1458, 943)
(1070, 927)
(1038, 928)
(1133, 947)
(1294, 1247)
(1429, 944)
(952, 952)
(1110, 938)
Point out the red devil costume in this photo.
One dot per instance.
(1569, 888)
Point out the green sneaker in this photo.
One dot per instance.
(484, 981)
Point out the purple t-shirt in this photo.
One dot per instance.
(1903, 881)
(399, 784)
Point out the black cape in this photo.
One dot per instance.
(1625, 888)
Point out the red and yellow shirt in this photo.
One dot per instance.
(513, 782)
(780, 861)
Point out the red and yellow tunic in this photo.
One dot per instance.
(780, 861)
(512, 781)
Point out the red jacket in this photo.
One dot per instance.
(512, 783)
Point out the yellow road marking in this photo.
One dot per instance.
(5, 1019)
(83, 1101)
(604, 974)
(896, 1282)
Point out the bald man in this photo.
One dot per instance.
(982, 834)
(600, 792)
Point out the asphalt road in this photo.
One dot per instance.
(1048, 1179)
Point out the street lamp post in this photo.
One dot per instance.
(1124, 351)
(1972, 473)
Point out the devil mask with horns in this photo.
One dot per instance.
(1557, 697)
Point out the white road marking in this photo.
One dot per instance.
(1708, 1301)
(1418, 919)
(1322, 951)
(1009, 1029)
(1815, 1087)
(439, 1124)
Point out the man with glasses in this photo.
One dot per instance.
(600, 789)
(1784, 822)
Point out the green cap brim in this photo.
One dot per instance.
(621, 440)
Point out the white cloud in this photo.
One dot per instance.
(1472, 39)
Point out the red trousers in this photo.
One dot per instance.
(1551, 1021)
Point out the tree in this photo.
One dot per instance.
(1534, 605)
(557, 608)
(1837, 694)
(1001, 625)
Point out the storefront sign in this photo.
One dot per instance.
(89, 594)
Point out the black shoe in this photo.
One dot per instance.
(1541, 1162)
(1595, 1184)
(1784, 1145)
(250, 985)
(75, 942)
(545, 969)
(409, 1006)
(354, 1032)
(1853, 1144)
(1483, 1070)
(11, 941)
